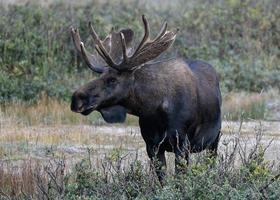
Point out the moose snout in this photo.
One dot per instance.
(83, 103)
(78, 101)
(75, 105)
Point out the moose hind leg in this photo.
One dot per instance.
(213, 149)
(216, 131)
(180, 148)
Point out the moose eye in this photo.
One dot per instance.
(111, 81)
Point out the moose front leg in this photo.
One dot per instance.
(158, 161)
(154, 135)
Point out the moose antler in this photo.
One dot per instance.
(90, 59)
(147, 49)
(111, 44)
(108, 49)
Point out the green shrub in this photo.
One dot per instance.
(201, 181)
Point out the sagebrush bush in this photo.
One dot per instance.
(240, 39)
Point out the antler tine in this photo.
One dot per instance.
(83, 52)
(105, 55)
(123, 42)
(162, 31)
(99, 52)
(146, 35)
(89, 58)
(108, 60)
(93, 33)
(88, 62)
(76, 38)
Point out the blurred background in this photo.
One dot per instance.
(239, 38)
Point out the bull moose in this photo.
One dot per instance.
(178, 101)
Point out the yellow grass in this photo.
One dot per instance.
(46, 111)
(247, 105)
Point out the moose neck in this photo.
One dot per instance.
(150, 88)
(133, 102)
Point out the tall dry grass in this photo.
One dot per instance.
(244, 105)
(46, 111)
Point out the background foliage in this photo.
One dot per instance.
(239, 38)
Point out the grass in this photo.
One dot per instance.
(45, 111)
(244, 105)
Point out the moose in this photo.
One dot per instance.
(177, 101)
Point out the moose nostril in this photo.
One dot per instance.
(75, 104)
(79, 101)
(73, 107)
(80, 107)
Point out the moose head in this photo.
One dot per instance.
(116, 60)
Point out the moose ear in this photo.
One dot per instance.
(114, 114)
